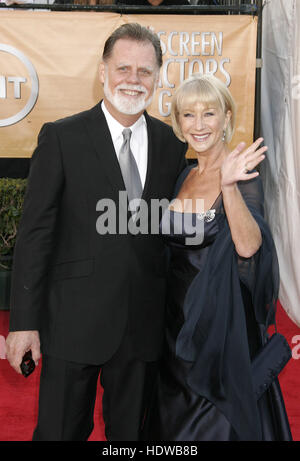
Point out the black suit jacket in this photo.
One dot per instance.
(81, 290)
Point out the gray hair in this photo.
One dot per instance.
(135, 32)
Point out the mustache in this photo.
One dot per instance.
(139, 88)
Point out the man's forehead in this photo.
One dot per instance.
(128, 46)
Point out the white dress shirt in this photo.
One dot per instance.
(138, 140)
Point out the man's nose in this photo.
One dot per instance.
(133, 76)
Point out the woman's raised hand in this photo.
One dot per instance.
(241, 161)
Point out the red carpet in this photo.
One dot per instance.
(19, 396)
(19, 400)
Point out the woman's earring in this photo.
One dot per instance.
(224, 135)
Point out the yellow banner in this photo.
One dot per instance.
(49, 66)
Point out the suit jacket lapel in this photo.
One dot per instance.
(100, 137)
(153, 159)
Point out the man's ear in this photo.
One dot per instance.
(102, 72)
(157, 80)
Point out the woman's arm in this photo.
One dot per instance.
(244, 229)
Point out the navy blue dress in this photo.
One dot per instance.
(213, 331)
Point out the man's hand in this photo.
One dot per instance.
(18, 343)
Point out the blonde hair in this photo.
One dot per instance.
(207, 90)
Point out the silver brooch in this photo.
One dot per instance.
(208, 216)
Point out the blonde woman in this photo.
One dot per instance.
(222, 286)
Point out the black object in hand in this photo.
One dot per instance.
(27, 366)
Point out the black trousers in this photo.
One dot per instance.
(68, 393)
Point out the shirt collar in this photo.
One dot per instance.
(116, 128)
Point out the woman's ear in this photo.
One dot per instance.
(228, 116)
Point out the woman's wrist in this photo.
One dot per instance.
(232, 187)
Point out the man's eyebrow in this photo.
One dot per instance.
(123, 64)
(150, 68)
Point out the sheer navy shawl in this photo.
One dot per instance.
(214, 334)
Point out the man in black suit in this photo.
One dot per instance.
(95, 300)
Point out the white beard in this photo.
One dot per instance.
(122, 103)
